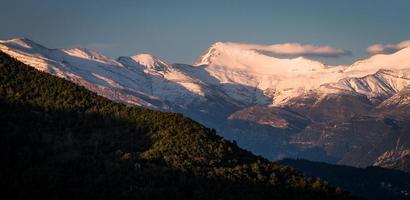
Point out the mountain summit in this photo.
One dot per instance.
(145, 60)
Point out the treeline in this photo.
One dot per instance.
(61, 141)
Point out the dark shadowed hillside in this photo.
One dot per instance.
(371, 182)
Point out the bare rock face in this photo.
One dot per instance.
(403, 163)
(394, 159)
(330, 107)
(274, 117)
(397, 106)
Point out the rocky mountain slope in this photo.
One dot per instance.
(276, 107)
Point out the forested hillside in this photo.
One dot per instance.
(61, 141)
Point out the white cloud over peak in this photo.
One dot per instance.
(295, 49)
(388, 48)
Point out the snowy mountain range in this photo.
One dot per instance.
(277, 107)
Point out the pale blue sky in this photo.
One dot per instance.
(180, 30)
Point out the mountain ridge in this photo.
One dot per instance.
(236, 79)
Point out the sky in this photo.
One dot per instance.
(178, 31)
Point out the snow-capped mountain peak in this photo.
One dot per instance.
(147, 61)
(245, 66)
(238, 70)
(397, 60)
(23, 44)
(212, 51)
(89, 54)
(242, 56)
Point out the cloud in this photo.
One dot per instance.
(388, 48)
(296, 49)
